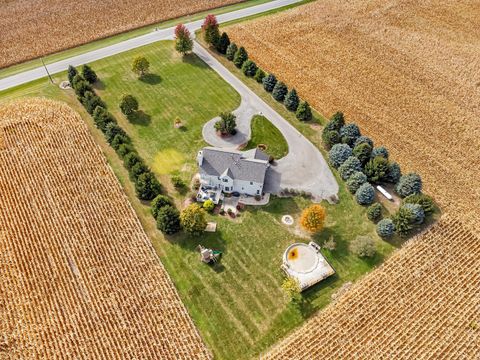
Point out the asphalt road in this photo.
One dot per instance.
(303, 169)
(126, 45)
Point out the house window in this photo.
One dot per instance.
(251, 182)
(225, 180)
(258, 192)
(227, 188)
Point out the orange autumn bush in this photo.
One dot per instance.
(313, 218)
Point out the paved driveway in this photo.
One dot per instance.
(304, 167)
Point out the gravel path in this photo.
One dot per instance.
(303, 169)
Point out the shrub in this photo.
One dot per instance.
(231, 50)
(183, 41)
(209, 205)
(90, 101)
(417, 213)
(120, 139)
(168, 220)
(193, 219)
(338, 154)
(376, 169)
(363, 246)
(158, 203)
(269, 82)
(240, 57)
(337, 121)
(177, 182)
(304, 112)
(349, 133)
(363, 140)
(227, 124)
(362, 151)
(403, 221)
(130, 160)
(71, 73)
(313, 218)
(385, 228)
(330, 137)
(291, 100)
(138, 169)
(380, 151)
(111, 130)
(125, 149)
(128, 104)
(330, 244)
(223, 43)
(102, 118)
(409, 184)
(259, 75)
(423, 200)
(147, 186)
(291, 288)
(355, 181)
(88, 74)
(365, 194)
(374, 212)
(211, 34)
(140, 65)
(349, 167)
(394, 173)
(249, 68)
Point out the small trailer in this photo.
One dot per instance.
(384, 193)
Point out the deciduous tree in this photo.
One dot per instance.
(140, 66)
(128, 104)
(211, 34)
(313, 218)
(183, 41)
(193, 219)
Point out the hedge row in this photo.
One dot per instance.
(147, 187)
(278, 89)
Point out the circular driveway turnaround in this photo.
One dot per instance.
(303, 169)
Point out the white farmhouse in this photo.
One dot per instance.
(233, 171)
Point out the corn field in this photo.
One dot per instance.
(78, 275)
(408, 73)
(31, 29)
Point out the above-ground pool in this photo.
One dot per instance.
(301, 258)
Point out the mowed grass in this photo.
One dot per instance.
(238, 304)
(265, 133)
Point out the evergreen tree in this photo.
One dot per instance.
(304, 113)
(90, 101)
(259, 75)
(377, 169)
(240, 57)
(291, 100)
(71, 72)
(223, 43)
(231, 50)
(279, 91)
(168, 220)
(269, 82)
(147, 186)
(249, 68)
(362, 152)
(88, 74)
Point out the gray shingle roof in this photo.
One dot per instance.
(240, 166)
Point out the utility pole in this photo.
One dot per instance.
(45, 66)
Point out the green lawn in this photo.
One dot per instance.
(265, 133)
(237, 305)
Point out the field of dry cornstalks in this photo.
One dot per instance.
(35, 28)
(78, 275)
(408, 72)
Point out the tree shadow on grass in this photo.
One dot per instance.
(140, 118)
(194, 60)
(99, 85)
(151, 79)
